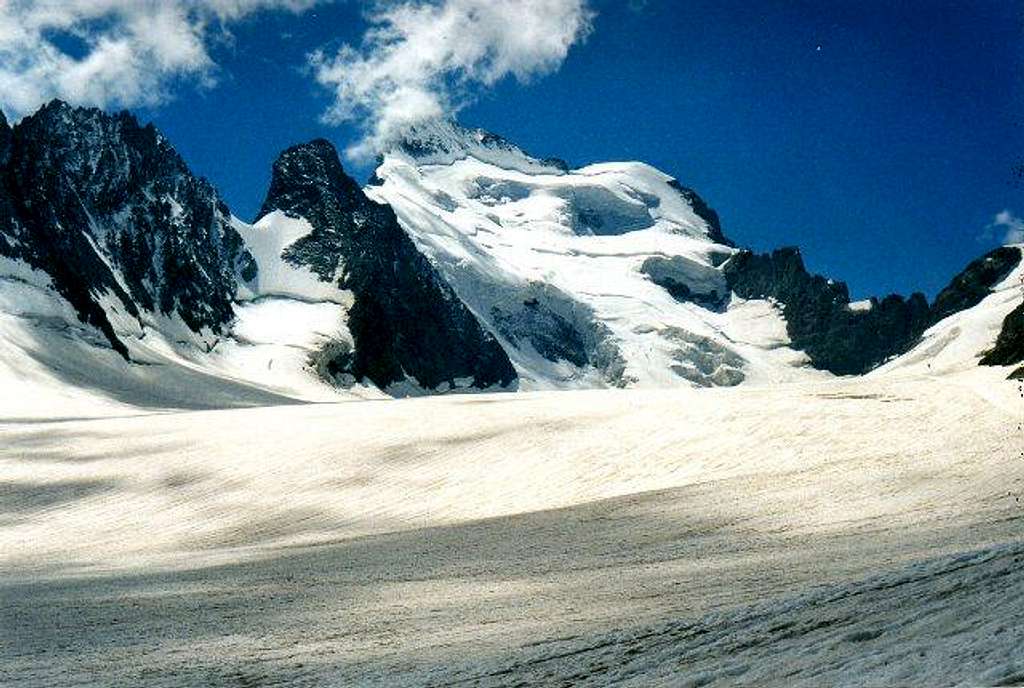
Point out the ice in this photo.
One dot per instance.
(586, 235)
(267, 240)
(858, 531)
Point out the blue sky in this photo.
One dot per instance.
(881, 137)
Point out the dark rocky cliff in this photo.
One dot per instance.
(975, 282)
(1009, 348)
(109, 210)
(406, 321)
(5, 139)
(702, 210)
(820, 322)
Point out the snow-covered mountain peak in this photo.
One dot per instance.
(442, 142)
(604, 275)
(615, 273)
(349, 241)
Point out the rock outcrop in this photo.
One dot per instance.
(818, 316)
(846, 340)
(975, 282)
(110, 211)
(408, 325)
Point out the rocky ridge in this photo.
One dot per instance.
(406, 321)
(112, 214)
(851, 341)
(612, 274)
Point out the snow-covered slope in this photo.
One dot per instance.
(114, 255)
(958, 341)
(562, 266)
(614, 274)
(54, 365)
(854, 532)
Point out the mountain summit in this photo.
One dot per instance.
(113, 215)
(616, 273)
(406, 323)
(468, 265)
(442, 142)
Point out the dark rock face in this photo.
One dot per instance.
(1009, 348)
(820, 322)
(8, 222)
(406, 321)
(818, 318)
(557, 163)
(680, 277)
(703, 211)
(5, 139)
(967, 289)
(975, 283)
(85, 194)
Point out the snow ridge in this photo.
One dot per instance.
(442, 142)
(568, 269)
(467, 264)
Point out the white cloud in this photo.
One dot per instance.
(132, 49)
(1010, 225)
(422, 60)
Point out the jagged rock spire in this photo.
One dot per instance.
(407, 324)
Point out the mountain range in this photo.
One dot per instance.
(464, 264)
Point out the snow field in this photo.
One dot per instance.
(494, 231)
(661, 535)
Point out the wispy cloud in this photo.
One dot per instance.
(424, 60)
(1006, 227)
(130, 49)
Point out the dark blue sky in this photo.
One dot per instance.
(884, 154)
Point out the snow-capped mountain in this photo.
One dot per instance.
(465, 264)
(616, 274)
(407, 327)
(121, 271)
(606, 275)
(111, 213)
